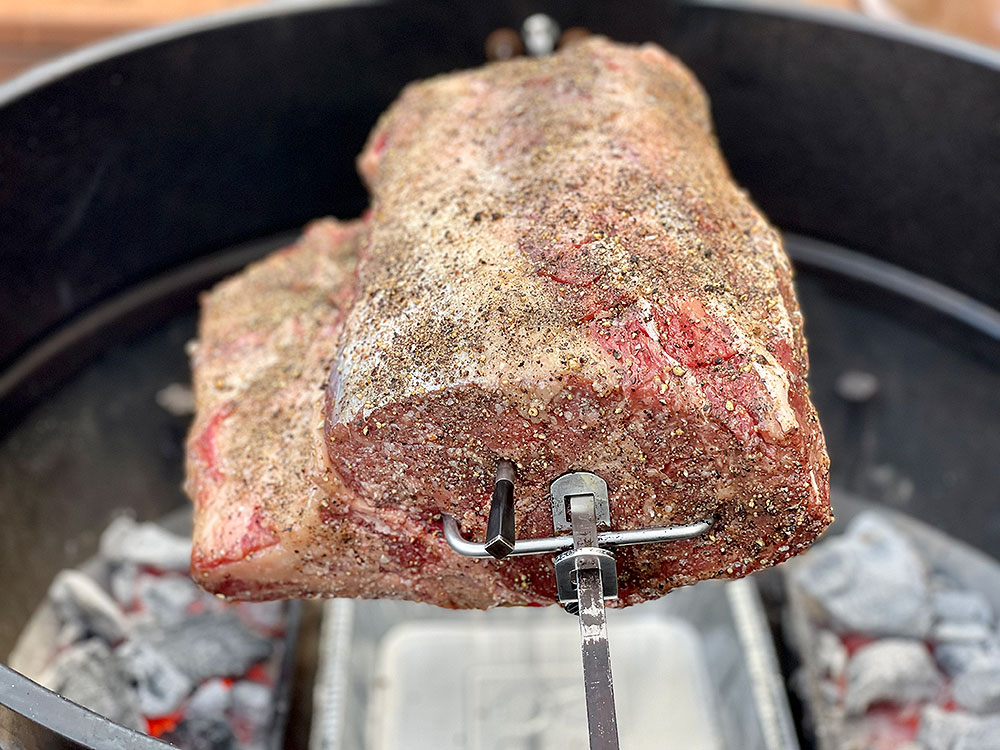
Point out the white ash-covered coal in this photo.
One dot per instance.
(898, 639)
(132, 637)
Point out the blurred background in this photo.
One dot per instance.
(31, 31)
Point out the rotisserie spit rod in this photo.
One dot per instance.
(586, 573)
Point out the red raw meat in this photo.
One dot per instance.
(557, 270)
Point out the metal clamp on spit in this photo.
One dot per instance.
(586, 572)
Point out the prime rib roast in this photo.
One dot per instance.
(556, 269)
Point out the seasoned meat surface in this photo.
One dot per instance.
(259, 364)
(263, 529)
(557, 270)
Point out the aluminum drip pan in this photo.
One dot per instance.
(695, 669)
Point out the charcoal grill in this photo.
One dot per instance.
(136, 172)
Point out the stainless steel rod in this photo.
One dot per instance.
(597, 681)
(553, 544)
(598, 684)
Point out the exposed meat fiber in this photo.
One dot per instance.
(557, 269)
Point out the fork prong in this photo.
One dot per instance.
(500, 535)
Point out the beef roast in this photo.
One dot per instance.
(557, 270)
(259, 366)
(260, 369)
